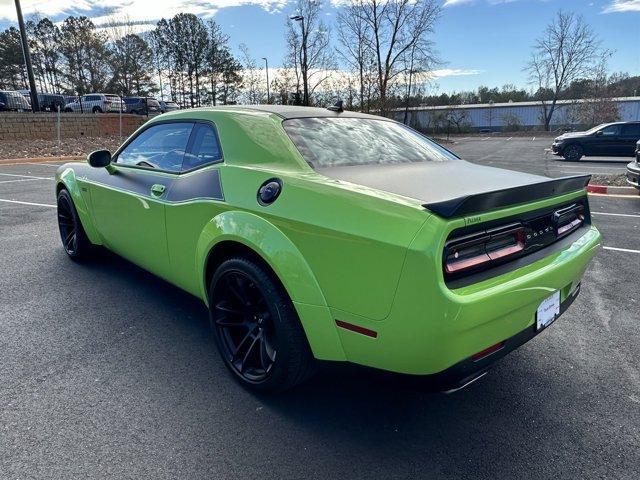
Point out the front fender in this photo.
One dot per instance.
(65, 175)
(287, 262)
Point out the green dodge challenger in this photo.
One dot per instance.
(320, 234)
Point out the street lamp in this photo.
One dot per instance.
(304, 67)
(27, 59)
(266, 69)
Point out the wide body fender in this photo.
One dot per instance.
(66, 176)
(272, 245)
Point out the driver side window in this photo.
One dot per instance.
(161, 147)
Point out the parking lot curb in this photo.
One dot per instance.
(612, 190)
(61, 159)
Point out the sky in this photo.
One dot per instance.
(482, 42)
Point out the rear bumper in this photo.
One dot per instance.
(432, 329)
(470, 369)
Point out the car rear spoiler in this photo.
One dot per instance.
(482, 202)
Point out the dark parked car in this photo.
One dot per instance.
(633, 169)
(607, 140)
(49, 102)
(13, 101)
(168, 106)
(142, 105)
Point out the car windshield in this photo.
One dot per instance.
(328, 142)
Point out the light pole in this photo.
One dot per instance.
(27, 59)
(303, 66)
(266, 69)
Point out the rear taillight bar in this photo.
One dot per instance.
(568, 219)
(475, 250)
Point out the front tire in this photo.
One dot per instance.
(74, 239)
(573, 152)
(256, 328)
(97, 110)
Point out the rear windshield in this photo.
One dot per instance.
(329, 142)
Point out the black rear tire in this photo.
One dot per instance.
(573, 153)
(97, 110)
(256, 328)
(74, 239)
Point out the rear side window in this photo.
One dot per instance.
(205, 147)
(632, 130)
(160, 147)
(610, 130)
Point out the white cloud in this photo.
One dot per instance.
(623, 6)
(453, 72)
(450, 3)
(142, 11)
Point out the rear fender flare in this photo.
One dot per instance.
(273, 246)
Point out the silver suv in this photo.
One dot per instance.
(96, 103)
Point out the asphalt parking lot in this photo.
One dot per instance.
(109, 372)
(527, 154)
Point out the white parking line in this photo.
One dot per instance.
(25, 176)
(28, 203)
(509, 138)
(533, 139)
(616, 214)
(627, 250)
(31, 163)
(23, 180)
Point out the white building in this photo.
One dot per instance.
(495, 116)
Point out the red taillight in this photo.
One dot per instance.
(474, 251)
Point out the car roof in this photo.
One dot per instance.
(290, 111)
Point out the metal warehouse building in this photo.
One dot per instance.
(495, 116)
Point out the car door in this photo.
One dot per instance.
(195, 198)
(129, 204)
(629, 136)
(607, 142)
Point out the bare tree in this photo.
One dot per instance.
(251, 77)
(353, 35)
(309, 45)
(398, 28)
(597, 107)
(568, 50)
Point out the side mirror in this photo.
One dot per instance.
(599, 133)
(99, 158)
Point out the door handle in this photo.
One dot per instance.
(157, 190)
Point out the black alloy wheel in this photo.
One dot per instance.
(244, 325)
(73, 236)
(256, 327)
(573, 153)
